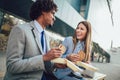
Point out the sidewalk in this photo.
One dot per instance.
(112, 69)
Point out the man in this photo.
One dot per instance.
(28, 52)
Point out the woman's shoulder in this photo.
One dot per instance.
(68, 38)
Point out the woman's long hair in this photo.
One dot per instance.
(87, 39)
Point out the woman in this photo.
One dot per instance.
(81, 40)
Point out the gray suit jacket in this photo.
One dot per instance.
(24, 54)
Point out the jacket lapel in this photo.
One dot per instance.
(36, 36)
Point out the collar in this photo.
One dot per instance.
(38, 26)
(82, 43)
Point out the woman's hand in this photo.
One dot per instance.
(73, 57)
(87, 62)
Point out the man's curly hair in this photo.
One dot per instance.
(41, 6)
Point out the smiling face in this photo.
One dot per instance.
(81, 32)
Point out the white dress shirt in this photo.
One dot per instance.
(40, 29)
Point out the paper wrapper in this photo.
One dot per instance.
(62, 48)
(87, 73)
(69, 64)
(86, 66)
(82, 55)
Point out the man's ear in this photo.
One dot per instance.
(43, 13)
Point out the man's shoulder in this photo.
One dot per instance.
(68, 40)
(23, 26)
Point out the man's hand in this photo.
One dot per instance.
(53, 53)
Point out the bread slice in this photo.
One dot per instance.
(62, 48)
(82, 55)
